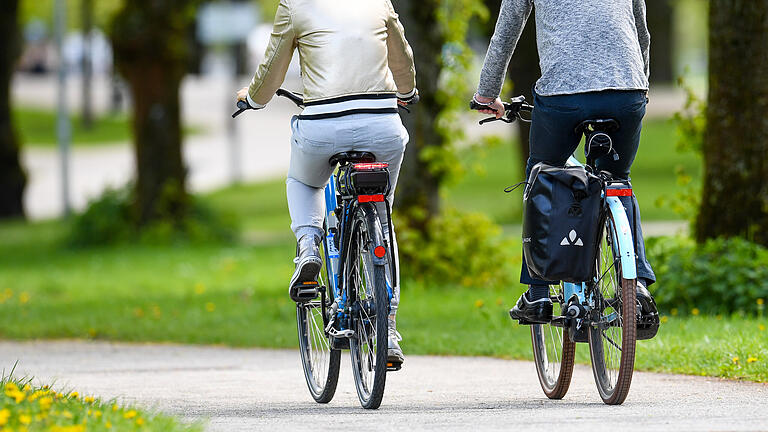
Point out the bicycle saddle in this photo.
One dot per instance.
(597, 125)
(351, 156)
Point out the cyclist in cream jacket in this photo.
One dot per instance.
(356, 67)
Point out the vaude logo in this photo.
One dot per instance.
(571, 240)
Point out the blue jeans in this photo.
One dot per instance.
(553, 140)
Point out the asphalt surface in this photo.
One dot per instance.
(257, 389)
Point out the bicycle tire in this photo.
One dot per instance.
(319, 361)
(612, 365)
(553, 351)
(368, 347)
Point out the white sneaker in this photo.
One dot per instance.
(395, 356)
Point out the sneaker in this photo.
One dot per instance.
(527, 311)
(647, 313)
(303, 286)
(395, 356)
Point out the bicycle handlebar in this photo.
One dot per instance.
(298, 99)
(512, 110)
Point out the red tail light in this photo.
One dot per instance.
(370, 198)
(379, 251)
(370, 166)
(618, 192)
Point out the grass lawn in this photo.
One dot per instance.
(25, 407)
(37, 127)
(490, 170)
(236, 295)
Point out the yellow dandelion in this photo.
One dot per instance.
(761, 327)
(25, 419)
(138, 312)
(24, 298)
(751, 359)
(210, 307)
(27, 387)
(74, 395)
(199, 289)
(108, 425)
(97, 413)
(479, 303)
(760, 302)
(5, 413)
(673, 311)
(695, 311)
(115, 408)
(89, 399)
(735, 359)
(66, 414)
(130, 414)
(139, 421)
(11, 386)
(664, 319)
(45, 403)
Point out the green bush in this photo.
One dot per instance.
(110, 219)
(722, 276)
(458, 248)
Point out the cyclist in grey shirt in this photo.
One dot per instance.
(594, 60)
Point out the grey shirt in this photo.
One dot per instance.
(584, 45)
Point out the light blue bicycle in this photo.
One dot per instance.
(602, 311)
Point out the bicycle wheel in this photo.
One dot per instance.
(366, 284)
(553, 351)
(320, 362)
(612, 335)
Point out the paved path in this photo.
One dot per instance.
(257, 389)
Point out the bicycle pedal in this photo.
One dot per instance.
(339, 343)
(394, 366)
(306, 291)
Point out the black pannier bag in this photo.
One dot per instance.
(561, 206)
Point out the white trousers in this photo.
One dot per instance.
(314, 142)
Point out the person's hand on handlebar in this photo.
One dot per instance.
(495, 106)
(242, 95)
(411, 98)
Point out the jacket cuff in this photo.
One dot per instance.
(253, 104)
(406, 95)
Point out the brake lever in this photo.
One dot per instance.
(493, 119)
(243, 106)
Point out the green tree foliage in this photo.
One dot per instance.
(735, 193)
(12, 177)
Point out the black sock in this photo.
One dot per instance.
(536, 292)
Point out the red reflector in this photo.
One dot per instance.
(379, 251)
(618, 192)
(370, 198)
(370, 166)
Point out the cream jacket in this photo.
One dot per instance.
(346, 48)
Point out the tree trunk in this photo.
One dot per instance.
(152, 47)
(12, 176)
(418, 188)
(735, 193)
(660, 16)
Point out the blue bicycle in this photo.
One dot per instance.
(347, 307)
(602, 311)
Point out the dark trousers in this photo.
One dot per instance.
(553, 140)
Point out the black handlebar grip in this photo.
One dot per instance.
(473, 105)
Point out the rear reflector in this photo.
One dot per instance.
(370, 198)
(618, 192)
(380, 251)
(370, 166)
